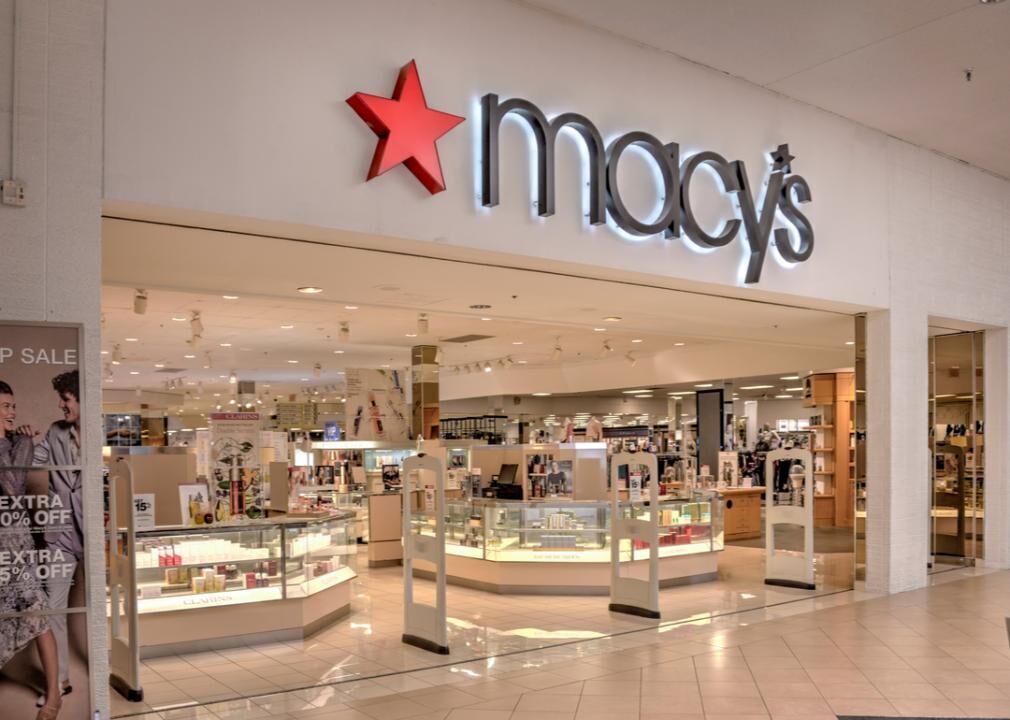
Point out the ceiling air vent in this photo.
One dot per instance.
(462, 339)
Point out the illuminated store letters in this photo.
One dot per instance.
(785, 192)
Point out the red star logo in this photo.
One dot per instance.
(407, 129)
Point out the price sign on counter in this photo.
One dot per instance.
(635, 487)
(143, 511)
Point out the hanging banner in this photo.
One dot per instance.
(376, 405)
(42, 583)
(236, 482)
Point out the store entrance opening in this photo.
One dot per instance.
(957, 449)
(306, 352)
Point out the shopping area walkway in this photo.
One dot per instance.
(938, 652)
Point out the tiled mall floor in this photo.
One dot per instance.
(367, 643)
(939, 652)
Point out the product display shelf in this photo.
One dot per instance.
(564, 547)
(278, 578)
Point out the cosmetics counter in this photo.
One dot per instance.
(564, 547)
(229, 584)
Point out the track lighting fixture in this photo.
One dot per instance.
(196, 324)
(509, 361)
(317, 370)
(487, 367)
(438, 355)
(501, 363)
(468, 369)
(422, 324)
(630, 357)
(556, 352)
(117, 355)
(207, 362)
(345, 332)
(606, 349)
(140, 301)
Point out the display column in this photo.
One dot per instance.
(897, 485)
(424, 414)
(996, 415)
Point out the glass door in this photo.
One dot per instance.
(956, 445)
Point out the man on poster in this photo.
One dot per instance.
(61, 447)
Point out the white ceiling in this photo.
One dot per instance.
(186, 270)
(894, 65)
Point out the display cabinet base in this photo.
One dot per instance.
(132, 694)
(384, 563)
(565, 578)
(425, 644)
(790, 584)
(634, 610)
(200, 629)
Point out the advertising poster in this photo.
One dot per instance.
(376, 405)
(42, 583)
(236, 482)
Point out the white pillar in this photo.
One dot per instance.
(897, 486)
(51, 265)
(996, 414)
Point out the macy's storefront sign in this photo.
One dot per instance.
(408, 131)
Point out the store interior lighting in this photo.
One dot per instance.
(140, 301)
(422, 324)
(345, 332)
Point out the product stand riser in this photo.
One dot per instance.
(631, 595)
(782, 568)
(424, 625)
(124, 650)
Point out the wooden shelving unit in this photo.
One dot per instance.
(832, 394)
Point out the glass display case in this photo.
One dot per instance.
(236, 563)
(353, 501)
(573, 531)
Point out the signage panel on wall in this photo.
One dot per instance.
(42, 583)
(236, 480)
(408, 130)
(376, 405)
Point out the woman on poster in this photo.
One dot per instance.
(22, 598)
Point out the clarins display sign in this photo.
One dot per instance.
(408, 131)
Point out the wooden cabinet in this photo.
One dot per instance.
(819, 389)
(742, 512)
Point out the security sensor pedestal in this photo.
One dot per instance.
(424, 625)
(124, 635)
(790, 506)
(632, 595)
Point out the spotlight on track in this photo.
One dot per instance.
(140, 301)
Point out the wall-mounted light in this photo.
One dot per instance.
(345, 332)
(232, 378)
(117, 355)
(422, 324)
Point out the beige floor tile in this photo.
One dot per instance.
(840, 691)
(729, 690)
(862, 706)
(670, 689)
(621, 688)
(778, 674)
(985, 708)
(471, 714)
(788, 690)
(684, 705)
(522, 715)
(548, 703)
(916, 707)
(797, 706)
(971, 691)
(908, 691)
(397, 709)
(733, 706)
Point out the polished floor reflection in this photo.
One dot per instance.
(937, 652)
(366, 645)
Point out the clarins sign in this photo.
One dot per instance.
(408, 130)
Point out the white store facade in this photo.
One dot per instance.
(232, 117)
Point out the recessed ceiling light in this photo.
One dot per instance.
(287, 327)
(682, 392)
(179, 319)
(310, 290)
(850, 342)
(131, 339)
(612, 318)
(703, 385)
(134, 372)
(756, 387)
(541, 394)
(338, 352)
(679, 344)
(783, 397)
(385, 365)
(795, 389)
(293, 362)
(636, 392)
(637, 340)
(159, 365)
(190, 357)
(790, 377)
(350, 307)
(411, 334)
(522, 362)
(225, 344)
(517, 342)
(599, 329)
(305, 379)
(105, 352)
(230, 297)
